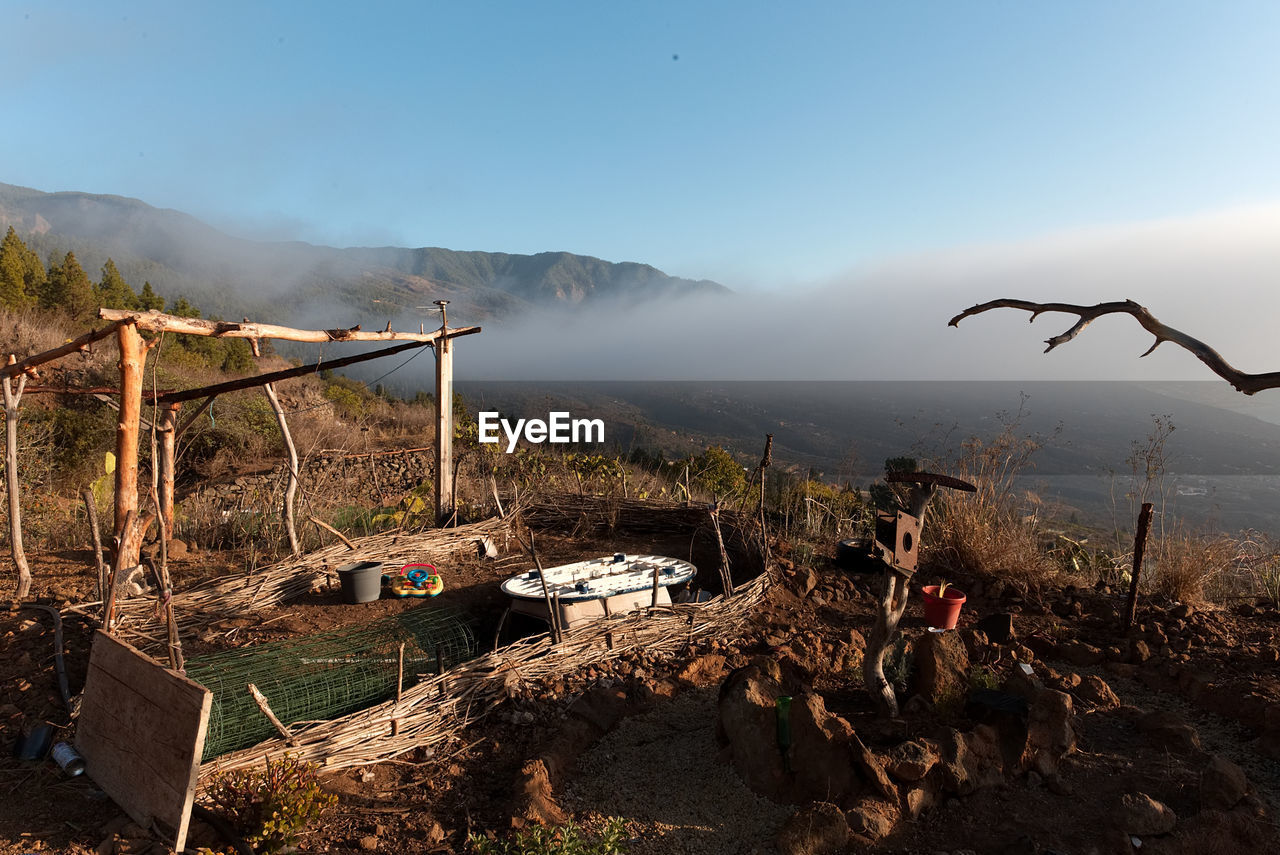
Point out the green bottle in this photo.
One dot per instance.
(783, 707)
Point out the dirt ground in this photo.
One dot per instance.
(659, 766)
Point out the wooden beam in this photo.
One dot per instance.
(96, 391)
(158, 322)
(276, 376)
(141, 730)
(79, 344)
(132, 356)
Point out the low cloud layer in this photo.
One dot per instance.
(1211, 276)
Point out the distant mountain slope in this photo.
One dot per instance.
(852, 427)
(181, 256)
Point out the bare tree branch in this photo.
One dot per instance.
(1242, 381)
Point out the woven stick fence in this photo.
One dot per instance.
(440, 706)
(212, 601)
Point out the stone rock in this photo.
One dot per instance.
(600, 707)
(177, 549)
(911, 760)
(1095, 692)
(975, 642)
(1050, 735)
(815, 829)
(1222, 784)
(535, 801)
(819, 754)
(802, 581)
(1165, 730)
(820, 741)
(1081, 654)
(969, 761)
(872, 818)
(1139, 651)
(369, 844)
(1023, 685)
(703, 671)
(807, 655)
(918, 799)
(941, 667)
(871, 767)
(998, 628)
(1122, 669)
(1141, 815)
(1043, 647)
(1193, 683)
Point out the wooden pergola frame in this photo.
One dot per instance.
(129, 525)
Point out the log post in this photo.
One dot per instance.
(168, 430)
(91, 510)
(444, 419)
(132, 358)
(291, 489)
(1139, 547)
(892, 605)
(12, 397)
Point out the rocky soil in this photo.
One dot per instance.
(1167, 736)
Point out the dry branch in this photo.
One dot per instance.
(1242, 381)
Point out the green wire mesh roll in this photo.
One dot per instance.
(327, 675)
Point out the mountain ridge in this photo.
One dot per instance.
(183, 256)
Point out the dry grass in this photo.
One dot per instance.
(993, 533)
(1190, 567)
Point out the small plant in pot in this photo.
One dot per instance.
(942, 605)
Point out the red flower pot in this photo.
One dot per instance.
(942, 612)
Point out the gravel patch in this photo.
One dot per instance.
(659, 772)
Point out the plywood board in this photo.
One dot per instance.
(141, 730)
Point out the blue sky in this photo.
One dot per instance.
(764, 145)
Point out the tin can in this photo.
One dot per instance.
(68, 758)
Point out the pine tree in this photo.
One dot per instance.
(183, 309)
(149, 299)
(22, 276)
(68, 287)
(112, 291)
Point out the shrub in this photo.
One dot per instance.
(272, 808)
(565, 840)
(716, 472)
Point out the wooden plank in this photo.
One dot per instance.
(141, 730)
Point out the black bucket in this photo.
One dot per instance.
(855, 556)
(361, 581)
